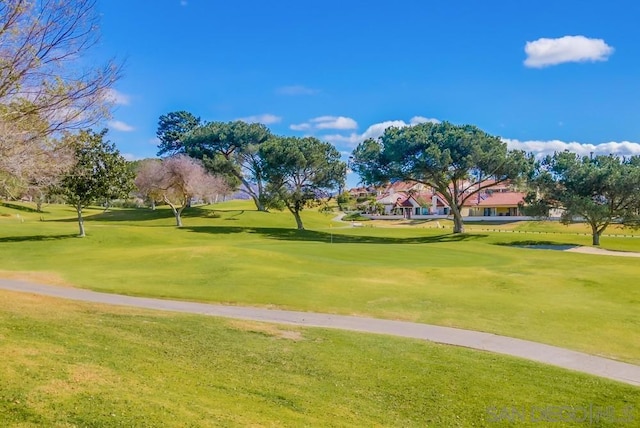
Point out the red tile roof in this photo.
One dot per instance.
(499, 199)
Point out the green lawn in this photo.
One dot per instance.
(77, 364)
(229, 253)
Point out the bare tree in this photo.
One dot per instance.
(59, 159)
(215, 188)
(148, 180)
(45, 86)
(41, 73)
(177, 180)
(31, 168)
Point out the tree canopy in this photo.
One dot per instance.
(300, 171)
(599, 190)
(46, 85)
(42, 72)
(172, 129)
(176, 180)
(231, 149)
(457, 161)
(99, 173)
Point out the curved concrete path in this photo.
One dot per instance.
(578, 361)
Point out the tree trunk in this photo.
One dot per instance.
(80, 220)
(458, 223)
(256, 197)
(178, 213)
(595, 235)
(296, 214)
(153, 205)
(258, 202)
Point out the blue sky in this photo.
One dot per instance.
(543, 75)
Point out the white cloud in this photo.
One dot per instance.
(325, 122)
(421, 119)
(300, 127)
(545, 52)
(118, 125)
(375, 131)
(350, 140)
(334, 122)
(116, 97)
(130, 157)
(296, 90)
(267, 119)
(542, 148)
(155, 141)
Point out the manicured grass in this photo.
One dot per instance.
(232, 254)
(77, 364)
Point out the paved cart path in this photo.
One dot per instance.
(573, 360)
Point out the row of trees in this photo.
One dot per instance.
(276, 172)
(48, 91)
(460, 161)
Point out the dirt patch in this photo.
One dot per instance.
(48, 278)
(266, 329)
(80, 377)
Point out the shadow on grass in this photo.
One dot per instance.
(121, 214)
(147, 214)
(540, 245)
(491, 222)
(20, 208)
(36, 238)
(316, 236)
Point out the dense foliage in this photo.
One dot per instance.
(301, 171)
(457, 161)
(599, 190)
(99, 173)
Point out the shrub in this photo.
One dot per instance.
(355, 216)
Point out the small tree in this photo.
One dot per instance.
(599, 190)
(300, 172)
(99, 172)
(177, 180)
(148, 173)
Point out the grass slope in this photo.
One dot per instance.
(79, 364)
(232, 254)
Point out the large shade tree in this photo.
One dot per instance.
(231, 149)
(300, 172)
(172, 129)
(46, 85)
(457, 161)
(599, 190)
(99, 173)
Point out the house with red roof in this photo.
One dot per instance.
(412, 200)
(496, 204)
